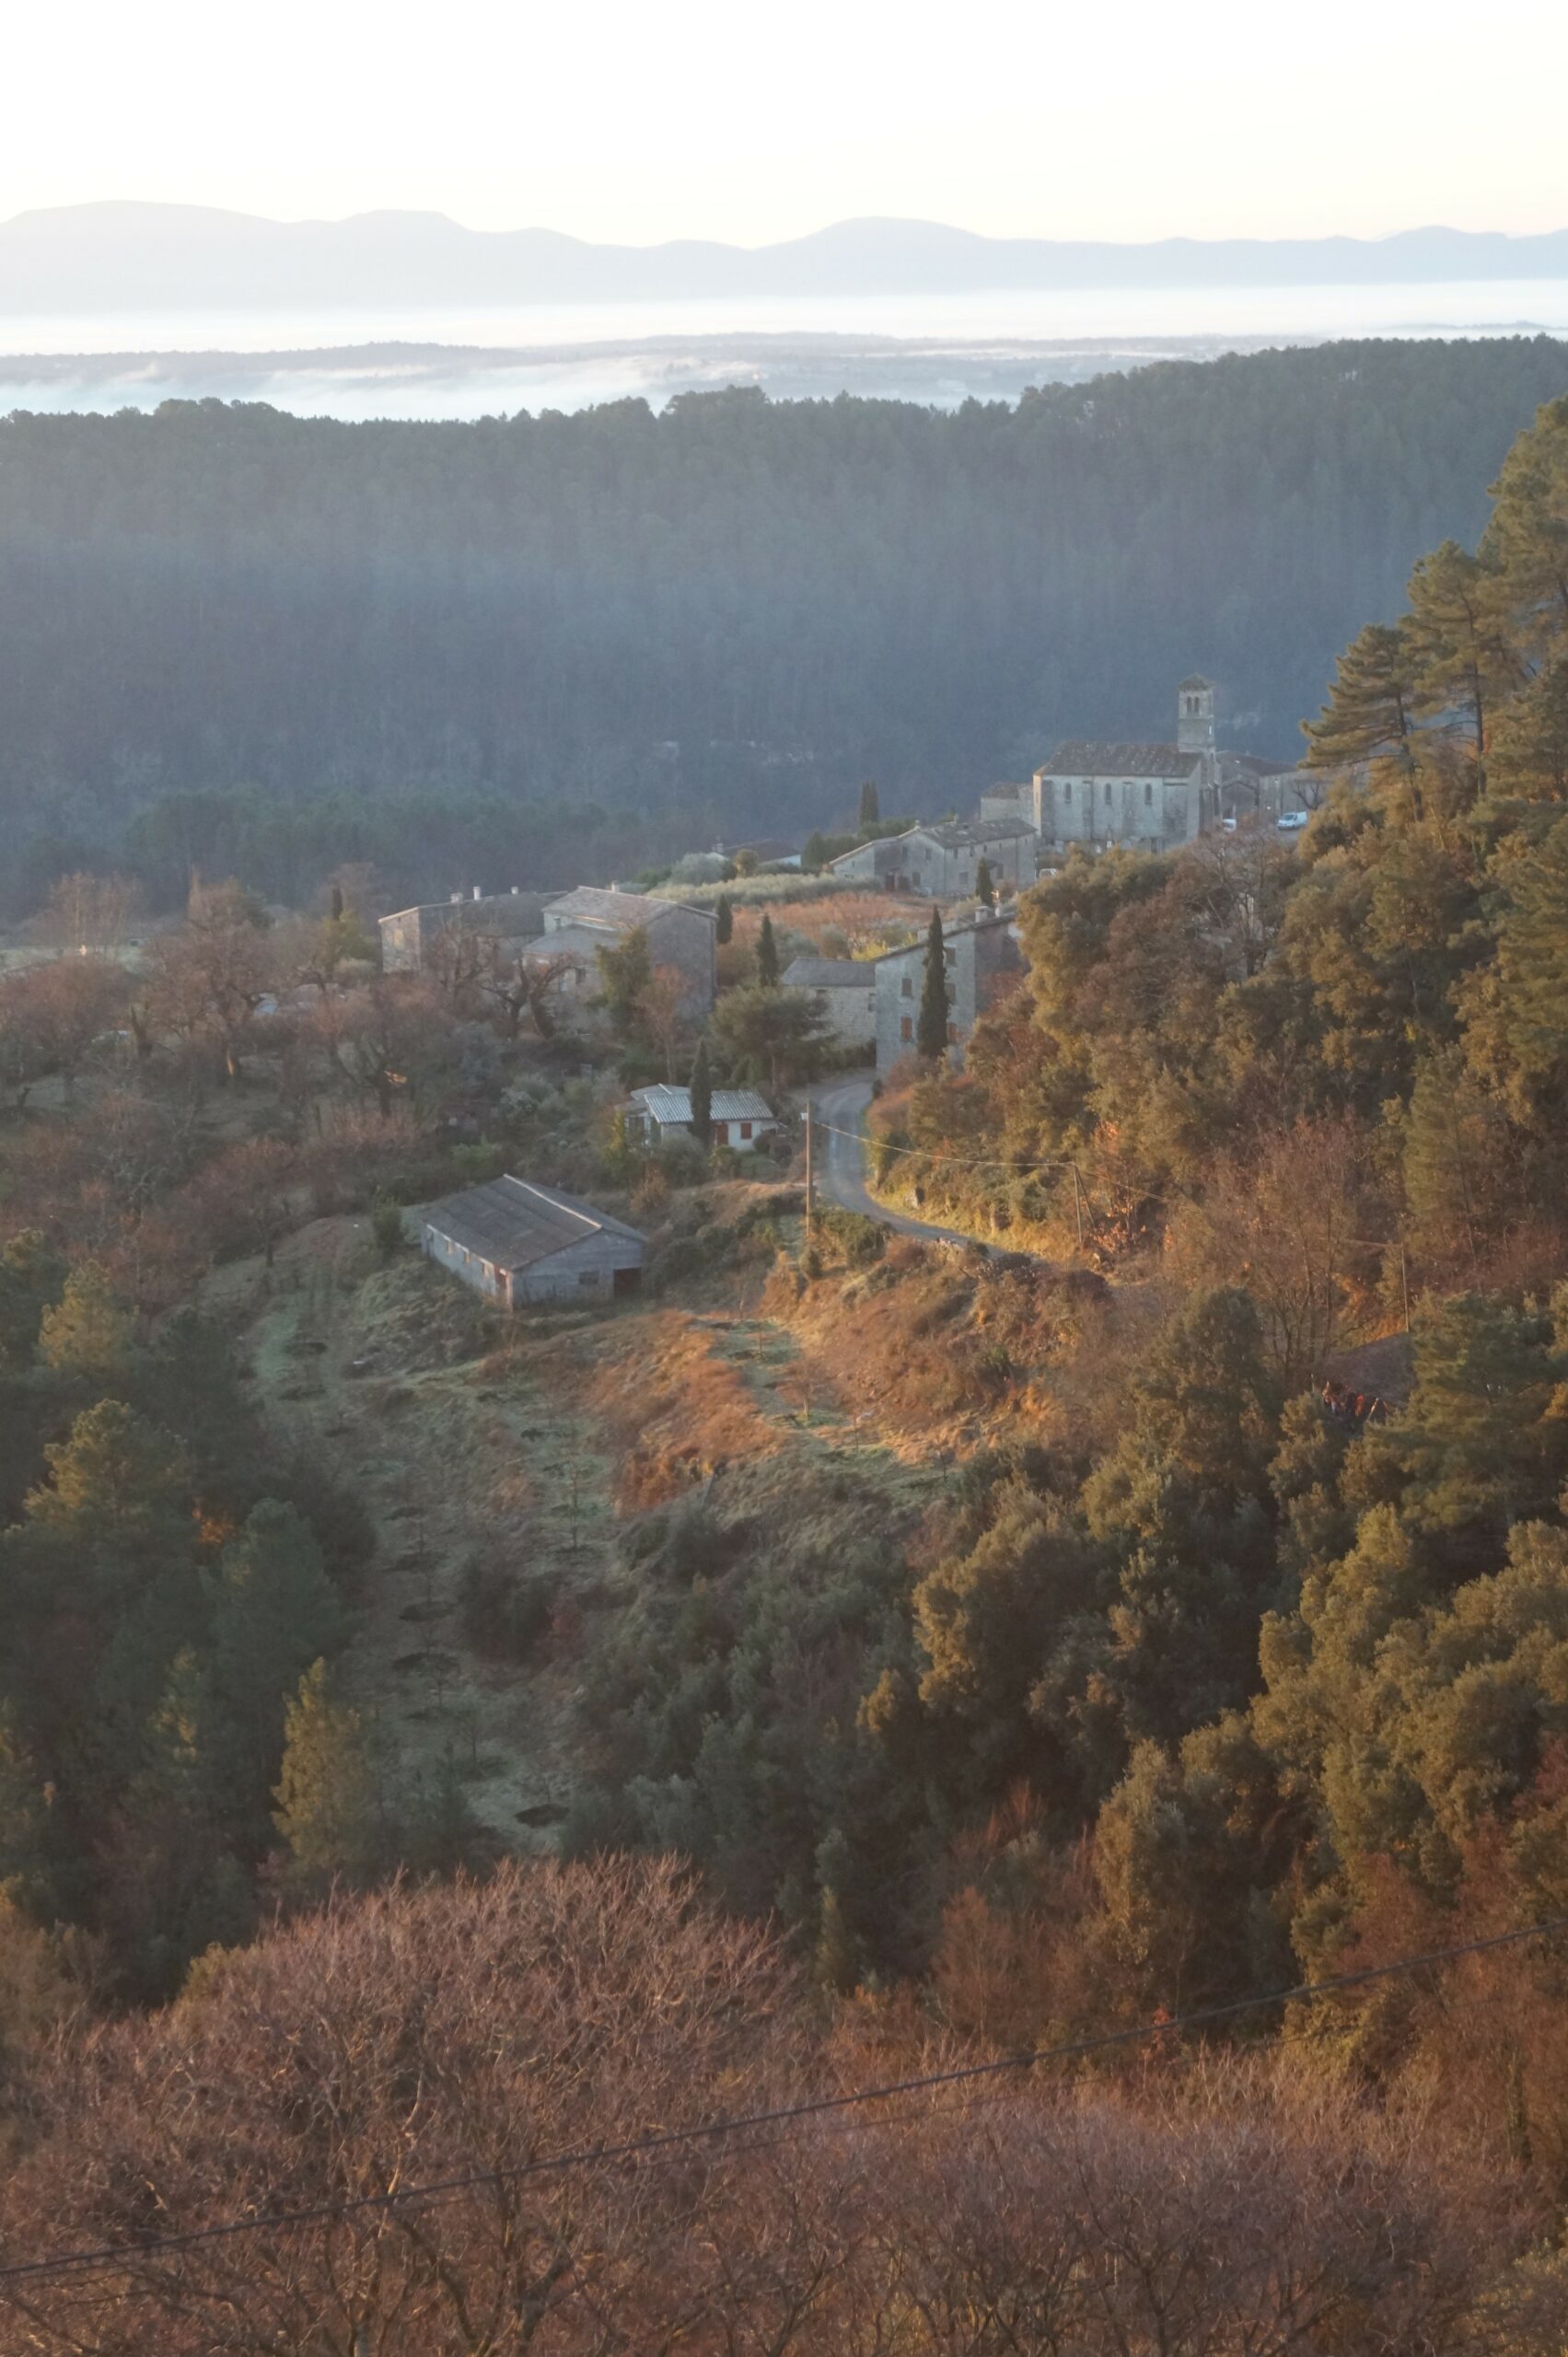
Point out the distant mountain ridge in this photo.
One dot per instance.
(137, 256)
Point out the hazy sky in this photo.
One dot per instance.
(616, 119)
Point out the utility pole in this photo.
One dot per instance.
(810, 1198)
(1079, 1204)
(1405, 1283)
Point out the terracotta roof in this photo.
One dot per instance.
(1080, 758)
(513, 1222)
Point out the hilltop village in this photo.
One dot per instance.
(1146, 797)
(832, 1464)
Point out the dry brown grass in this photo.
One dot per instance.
(840, 924)
(674, 1409)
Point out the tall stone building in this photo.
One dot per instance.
(982, 958)
(1151, 795)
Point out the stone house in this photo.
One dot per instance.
(847, 988)
(983, 960)
(679, 935)
(739, 1117)
(514, 1242)
(409, 937)
(877, 864)
(941, 863)
(1005, 802)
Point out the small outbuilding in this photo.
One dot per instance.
(514, 1241)
(737, 1117)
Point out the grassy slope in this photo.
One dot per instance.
(808, 1414)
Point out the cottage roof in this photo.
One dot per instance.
(666, 1104)
(858, 851)
(973, 834)
(1194, 680)
(950, 932)
(1080, 758)
(524, 907)
(564, 941)
(620, 911)
(513, 1222)
(827, 974)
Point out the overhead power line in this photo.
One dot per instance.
(780, 2116)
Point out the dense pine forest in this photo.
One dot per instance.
(534, 647)
(446, 1750)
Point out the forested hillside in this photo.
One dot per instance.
(1022, 1648)
(532, 647)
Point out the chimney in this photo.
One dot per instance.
(455, 898)
(516, 889)
(476, 892)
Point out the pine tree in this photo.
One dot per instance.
(870, 806)
(936, 997)
(1532, 964)
(119, 1495)
(767, 955)
(274, 1612)
(1456, 637)
(326, 1792)
(724, 919)
(985, 885)
(1370, 707)
(88, 1330)
(701, 1095)
(1528, 757)
(31, 1278)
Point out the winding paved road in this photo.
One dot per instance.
(840, 1161)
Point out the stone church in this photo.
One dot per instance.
(1150, 797)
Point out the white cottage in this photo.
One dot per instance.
(739, 1118)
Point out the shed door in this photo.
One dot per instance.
(626, 1281)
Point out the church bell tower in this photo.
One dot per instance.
(1195, 715)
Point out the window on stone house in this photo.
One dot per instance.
(1067, 791)
(745, 1129)
(1148, 794)
(906, 1027)
(906, 987)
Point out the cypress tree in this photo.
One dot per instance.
(724, 919)
(701, 1095)
(985, 885)
(767, 955)
(935, 998)
(870, 806)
